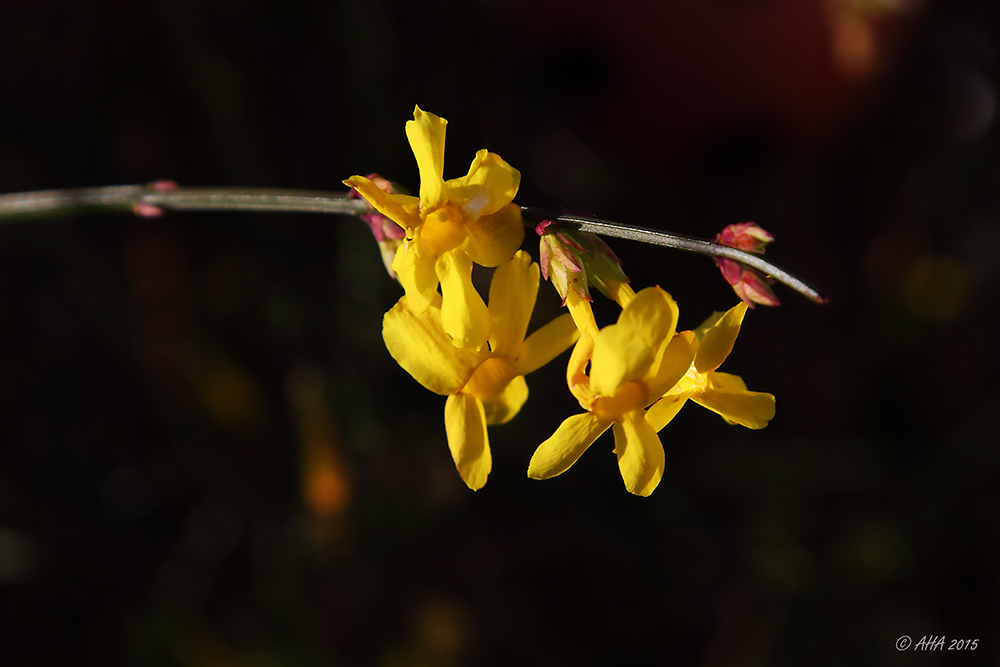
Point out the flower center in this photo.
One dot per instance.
(630, 396)
(491, 378)
(693, 380)
(443, 229)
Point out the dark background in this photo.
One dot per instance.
(207, 457)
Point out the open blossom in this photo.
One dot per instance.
(484, 386)
(448, 227)
(722, 393)
(632, 364)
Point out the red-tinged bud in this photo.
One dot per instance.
(746, 236)
(748, 284)
(144, 210)
(755, 288)
(544, 226)
(147, 210)
(578, 258)
(387, 233)
(575, 260)
(561, 266)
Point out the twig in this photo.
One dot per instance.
(151, 199)
(667, 240)
(126, 198)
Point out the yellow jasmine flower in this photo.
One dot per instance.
(484, 386)
(722, 393)
(632, 363)
(448, 227)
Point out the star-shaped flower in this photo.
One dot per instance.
(632, 364)
(722, 393)
(484, 386)
(448, 227)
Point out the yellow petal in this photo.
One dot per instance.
(465, 424)
(404, 210)
(620, 356)
(463, 313)
(576, 369)
(625, 351)
(620, 292)
(673, 363)
(546, 344)
(572, 438)
(664, 410)
(726, 381)
(579, 308)
(418, 343)
(708, 324)
(494, 238)
(489, 186)
(512, 298)
(414, 268)
(502, 407)
(719, 338)
(426, 135)
(651, 316)
(640, 454)
(727, 396)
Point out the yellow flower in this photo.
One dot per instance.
(632, 363)
(722, 393)
(484, 386)
(448, 227)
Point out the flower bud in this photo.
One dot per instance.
(748, 283)
(387, 233)
(575, 260)
(745, 236)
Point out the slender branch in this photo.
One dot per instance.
(129, 198)
(150, 199)
(701, 246)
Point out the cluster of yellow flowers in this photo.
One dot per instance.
(641, 369)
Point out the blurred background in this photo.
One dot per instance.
(208, 458)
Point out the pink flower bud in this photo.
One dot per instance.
(387, 233)
(147, 210)
(576, 260)
(748, 283)
(745, 236)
